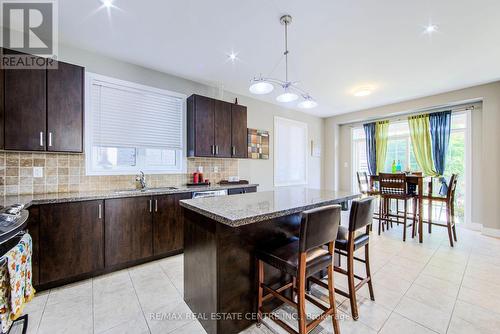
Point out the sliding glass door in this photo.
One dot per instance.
(399, 149)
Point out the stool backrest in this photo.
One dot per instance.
(452, 186)
(319, 226)
(361, 213)
(363, 184)
(392, 184)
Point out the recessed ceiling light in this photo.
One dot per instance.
(107, 3)
(363, 91)
(232, 56)
(431, 28)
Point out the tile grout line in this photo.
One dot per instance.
(43, 312)
(458, 293)
(406, 291)
(170, 280)
(138, 301)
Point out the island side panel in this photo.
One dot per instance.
(200, 267)
(236, 267)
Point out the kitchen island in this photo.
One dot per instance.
(221, 235)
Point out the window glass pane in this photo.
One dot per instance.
(358, 133)
(458, 121)
(397, 150)
(113, 157)
(455, 164)
(160, 157)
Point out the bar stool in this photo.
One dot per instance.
(349, 241)
(449, 203)
(301, 258)
(394, 187)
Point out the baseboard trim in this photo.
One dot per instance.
(473, 226)
(491, 232)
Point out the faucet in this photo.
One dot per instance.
(142, 180)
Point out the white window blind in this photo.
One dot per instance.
(131, 117)
(131, 127)
(290, 152)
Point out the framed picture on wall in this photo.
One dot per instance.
(258, 144)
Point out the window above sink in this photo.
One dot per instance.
(131, 127)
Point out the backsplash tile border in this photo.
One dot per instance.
(66, 173)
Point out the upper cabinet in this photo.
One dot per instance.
(25, 109)
(43, 109)
(216, 128)
(239, 148)
(65, 108)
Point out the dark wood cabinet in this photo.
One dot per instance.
(168, 223)
(34, 230)
(25, 112)
(129, 230)
(65, 108)
(71, 240)
(216, 128)
(222, 129)
(201, 124)
(239, 133)
(42, 109)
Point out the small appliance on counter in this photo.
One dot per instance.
(233, 180)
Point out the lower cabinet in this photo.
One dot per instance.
(70, 240)
(76, 239)
(129, 230)
(168, 223)
(34, 230)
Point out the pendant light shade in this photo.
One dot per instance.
(308, 104)
(264, 85)
(287, 97)
(261, 87)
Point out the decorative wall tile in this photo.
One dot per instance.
(66, 172)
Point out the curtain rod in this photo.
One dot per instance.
(404, 116)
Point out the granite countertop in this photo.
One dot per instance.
(37, 199)
(238, 210)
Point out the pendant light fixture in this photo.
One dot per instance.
(263, 85)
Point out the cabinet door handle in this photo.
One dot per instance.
(41, 138)
(150, 206)
(156, 205)
(99, 211)
(233, 150)
(50, 139)
(216, 149)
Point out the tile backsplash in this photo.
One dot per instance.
(66, 173)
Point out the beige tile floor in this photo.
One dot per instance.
(419, 288)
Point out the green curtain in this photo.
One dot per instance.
(381, 136)
(421, 142)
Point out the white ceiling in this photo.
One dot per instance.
(335, 45)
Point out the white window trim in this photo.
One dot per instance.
(89, 80)
(305, 126)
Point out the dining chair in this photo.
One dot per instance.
(394, 187)
(449, 202)
(364, 185)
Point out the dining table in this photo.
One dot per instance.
(413, 180)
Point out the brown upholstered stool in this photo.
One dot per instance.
(301, 258)
(348, 241)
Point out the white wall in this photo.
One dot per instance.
(485, 147)
(260, 114)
